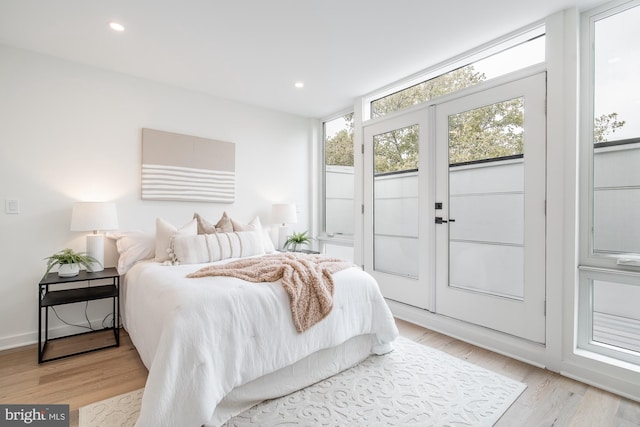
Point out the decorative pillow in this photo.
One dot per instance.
(133, 246)
(201, 248)
(165, 231)
(204, 226)
(269, 247)
(256, 225)
(187, 249)
(250, 243)
(224, 224)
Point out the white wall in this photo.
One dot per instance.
(70, 132)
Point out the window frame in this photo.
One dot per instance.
(585, 334)
(587, 256)
(594, 265)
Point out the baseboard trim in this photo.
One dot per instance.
(617, 380)
(623, 387)
(498, 342)
(30, 338)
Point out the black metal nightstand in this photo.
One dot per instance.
(109, 287)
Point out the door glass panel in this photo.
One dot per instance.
(486, 199)
(395, 202)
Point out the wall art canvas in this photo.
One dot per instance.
(187, 168)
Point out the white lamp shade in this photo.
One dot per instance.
(284, 213)
(94, 216)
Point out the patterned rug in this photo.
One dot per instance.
(414, 385)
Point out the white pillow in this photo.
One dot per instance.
(256, 225)
(133, 246)
(250, 243)
(269, 247)
(191, 249)
(201, 248)
(165, 231)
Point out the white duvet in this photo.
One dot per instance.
(201, 338)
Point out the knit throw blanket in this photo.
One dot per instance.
(305, 277)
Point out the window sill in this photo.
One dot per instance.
(339, 239)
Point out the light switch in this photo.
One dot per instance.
(12, 206)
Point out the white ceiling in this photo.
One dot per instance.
(254, 51)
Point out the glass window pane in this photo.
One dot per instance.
(509, 60)
(616, 66)
(616, 133)
(486, 199)
(489, 132)
(616, 319)
(395, 204)
(339, 176)
(513, 59)
(438, 86)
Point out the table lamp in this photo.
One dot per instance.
(95, 217)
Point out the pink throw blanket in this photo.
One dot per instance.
(305, 277)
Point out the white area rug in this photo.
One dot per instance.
(414, 385)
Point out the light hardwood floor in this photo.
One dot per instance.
(549, 400)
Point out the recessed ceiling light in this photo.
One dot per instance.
(116, 26)
(299, 85)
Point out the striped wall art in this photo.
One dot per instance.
(187, 168)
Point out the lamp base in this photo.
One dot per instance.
(283, 234)
(95, 249)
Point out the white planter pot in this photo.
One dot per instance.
(68, 270)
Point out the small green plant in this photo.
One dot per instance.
(297, 239)
(68, 256)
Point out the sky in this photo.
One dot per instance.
(617, 70)
(516, 58)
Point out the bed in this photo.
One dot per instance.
(215, 346)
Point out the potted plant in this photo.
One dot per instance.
(69, 262)
(297, 239)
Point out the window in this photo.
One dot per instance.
(609, 320)
(609, 323)
(339, 176)
(615, 126)
(514, 58)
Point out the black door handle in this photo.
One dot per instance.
(439, 220)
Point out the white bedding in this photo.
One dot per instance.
(202, 338)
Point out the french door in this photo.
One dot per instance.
(455, 207)
(490, 179)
